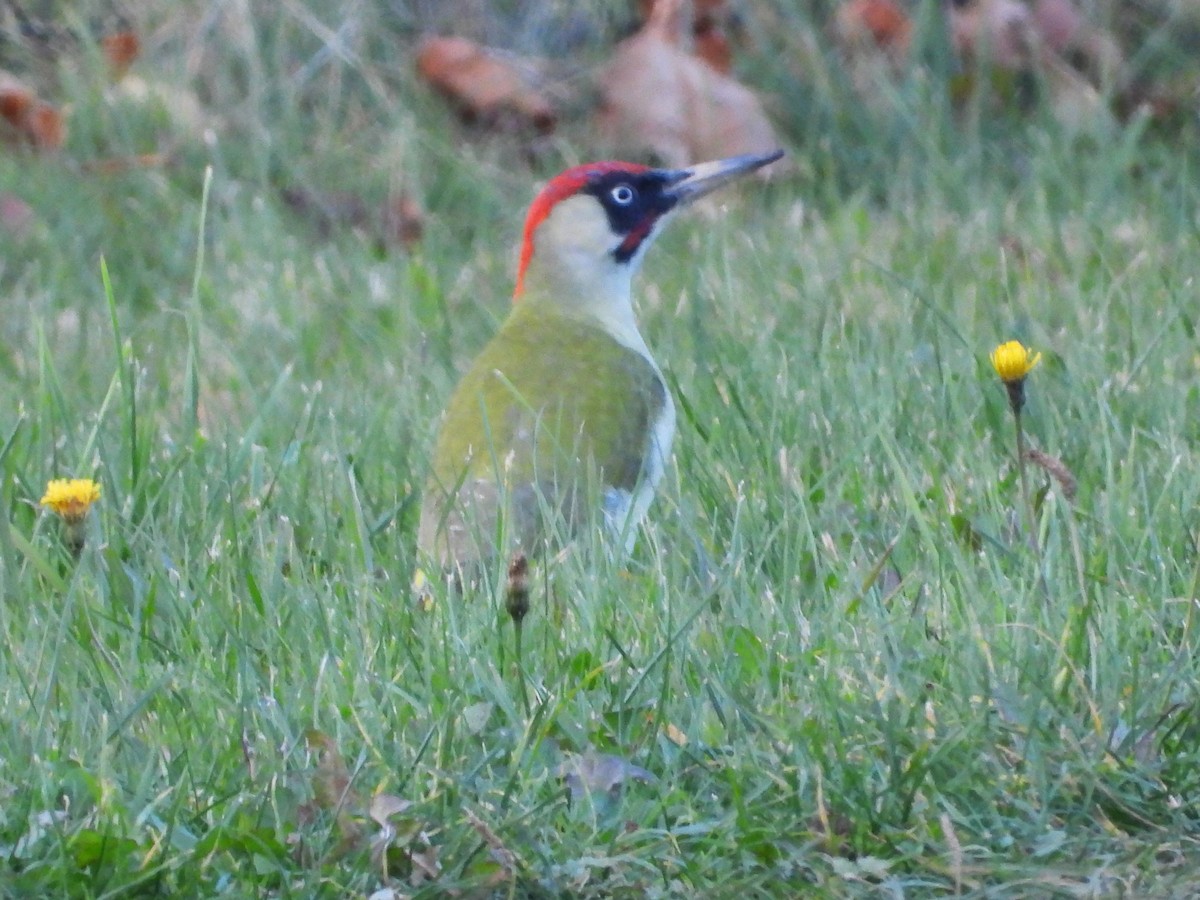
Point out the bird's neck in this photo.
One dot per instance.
(598, 295)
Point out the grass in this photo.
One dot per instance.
(834, 665)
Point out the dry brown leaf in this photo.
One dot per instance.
(871, 26)
(1015, 37)
(383, 808)
(483, 85)
(700, 28)
(505, 858)
(1003, 35)
(600, 773)
(16, 99)
(710, 45)
(874, 38)
(33, 121)
(120, 50)
(333, 791)
(331, 780)
(1064, 29)
(45, 127)
(1059, 23)
(657, 97)
(676, 735)
(1056, 469)
(1161, 100)
(995, 32)
(425, 865)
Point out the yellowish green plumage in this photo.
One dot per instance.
(554, 410)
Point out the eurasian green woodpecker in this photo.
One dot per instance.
(564, 413)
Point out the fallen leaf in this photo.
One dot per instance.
(710, 45)
(333, 791)
(476, 716)
(331, 781)
(873, 26)
(675, 735)
(1002, 37)
(503, 857)
(384, 806)
(1056, 469)
(993, 32)
(45, 126)
(16, 99)
(121, 48)
(1065, 30)
(658, 97)
(425, 865)
(34, 121)
(706, 21)
(591, 772)
(484, 84)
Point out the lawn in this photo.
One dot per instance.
(846, 658)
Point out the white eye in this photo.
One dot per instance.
(622, 194)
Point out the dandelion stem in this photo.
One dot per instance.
(1078, 624)
(519, 630)
(75, 538)
(1029, 516)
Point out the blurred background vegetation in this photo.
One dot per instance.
(316, 109)
(286, 92)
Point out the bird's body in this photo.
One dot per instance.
(540, 436)
(564, 414)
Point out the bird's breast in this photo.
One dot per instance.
(554, 413)
(548, 392)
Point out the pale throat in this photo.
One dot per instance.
(573, 273)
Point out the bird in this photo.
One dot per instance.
(564, 417)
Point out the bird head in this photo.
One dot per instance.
(586, 232)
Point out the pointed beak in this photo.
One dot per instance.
(689, 185)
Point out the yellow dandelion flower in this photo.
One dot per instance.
(1013, 361)
(71, 498)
